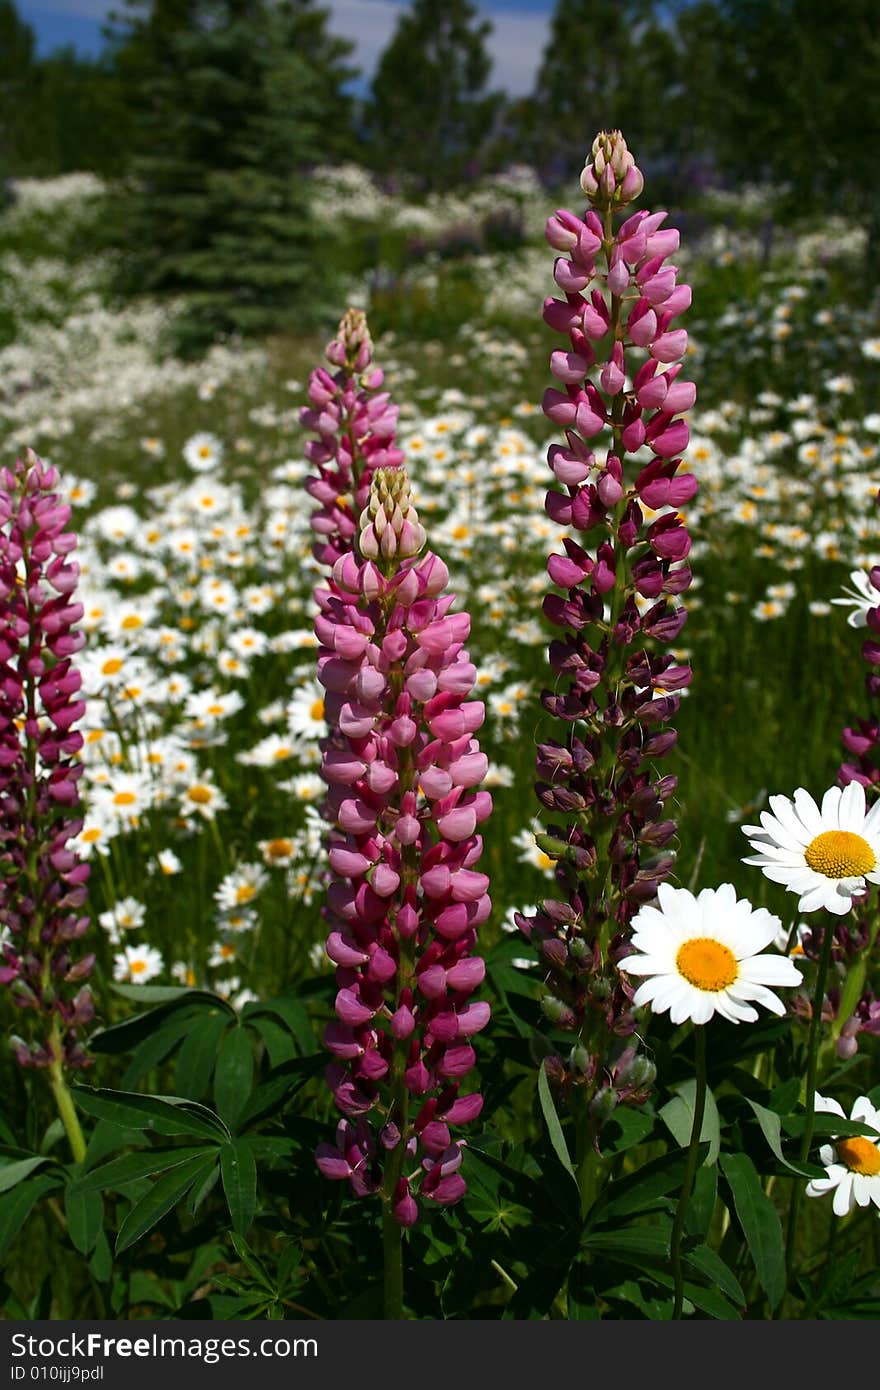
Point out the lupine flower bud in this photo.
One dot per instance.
(42, 883)
(389, 526)
(611, 178)
(405, 900)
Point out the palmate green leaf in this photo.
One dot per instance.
(771, 1128)
(554, 1128)
(678, 1116)
(11, 1174)
(119, 1172)
(155, 1048)
(17, 1204)
(197, 1056)
(167, 1115)
(760, 1223)
(165, 1193)
(239, 1173)
(127, 1035)
(233, 1075)
(292, 1011)
(281, 1086)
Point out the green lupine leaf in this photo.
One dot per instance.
(161, 1114)
(239, 1173)
(11, 1174)
(119, 1172)
(233, 1075)
(554, 1128)
(164, 1194)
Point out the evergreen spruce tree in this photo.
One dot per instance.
(430, 116)
(606, 65)
(16, 77)
(231, 106)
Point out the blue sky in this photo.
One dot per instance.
(520, 30)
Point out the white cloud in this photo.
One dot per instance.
(515, 43)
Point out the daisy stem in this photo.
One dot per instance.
(813, 1042)
(689, 1172)
(810, 1095)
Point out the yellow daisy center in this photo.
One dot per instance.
(840, 854)
(245, 892)
(112, 666)
(136, 966)
(544, 860)
(89, 837)
(707, 964)
(279, 849)
(859, 1155)
(200, 794)
(130, 623)
(124, 799)
(317, 710)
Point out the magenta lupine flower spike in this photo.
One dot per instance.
(854, 1006)
(403, 767)
(355, 422)
(621, 401)
(42, 882)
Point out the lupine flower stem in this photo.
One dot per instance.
(64, 1101)
(689, 1172)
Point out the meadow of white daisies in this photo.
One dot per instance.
(695, 1136)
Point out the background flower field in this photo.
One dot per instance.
(201, 794)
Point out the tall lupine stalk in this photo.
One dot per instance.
(42, 882)
(355, 423)
(856, 1007)
(405, 898)
(621, 404)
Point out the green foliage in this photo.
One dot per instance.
(430, 113)
(230, 104)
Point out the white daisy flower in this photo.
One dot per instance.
(702, 956)
(202, 798)
(860, 598)
(127, 915)
(203, 452)
(278, 853)
(240, 887)
(529, 851)
(137, 964)
(852, 1165)
(168, 862)
(826, 856)
(305, 712)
